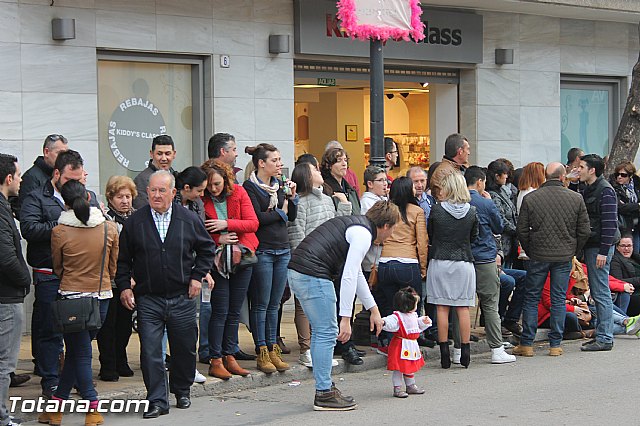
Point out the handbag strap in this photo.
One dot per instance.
(104, 255)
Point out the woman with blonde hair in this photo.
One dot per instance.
(451, 276)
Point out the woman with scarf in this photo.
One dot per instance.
(334, 168)
(501, 195)
(114, 335)
(627, 186)
(275, 203)
(451, 277)
(230, 220)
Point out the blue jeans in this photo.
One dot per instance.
(203, 340)
(622, 301)
(510, 310)
(50, 344)
(227, 298)
(318, 299)
(269, 280)
(392, 276)
(536, 276)
(600, 293)
(77, 362)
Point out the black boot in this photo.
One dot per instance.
(445, 358)
(465, 355)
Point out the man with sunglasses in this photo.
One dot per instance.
(42, 168)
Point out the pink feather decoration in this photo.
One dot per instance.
(349, 20)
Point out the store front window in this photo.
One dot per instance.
(138, 100)
(588, 116)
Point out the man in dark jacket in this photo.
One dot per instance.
(552, 227)
(602, 207)
(167, 251)
(485, 252)
(14, 281)
(39, 215)
(42, 168)
(163, 152)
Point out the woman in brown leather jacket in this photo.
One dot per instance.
(78, 245)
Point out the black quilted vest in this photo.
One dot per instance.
(323, 253)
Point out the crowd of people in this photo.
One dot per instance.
(553, 246)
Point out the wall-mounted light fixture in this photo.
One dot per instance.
(389, 95)
(63, 29)
(279, 43)
(405, 94)
(504, 56)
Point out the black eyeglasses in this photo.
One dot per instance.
(380, 180)
(622, 174)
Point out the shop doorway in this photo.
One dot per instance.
(338, 109)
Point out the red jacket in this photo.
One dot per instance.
(241, 219)
(544, 307)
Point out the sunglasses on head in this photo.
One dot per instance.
(54, 137)
(621, 174)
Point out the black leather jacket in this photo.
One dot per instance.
(14, 273)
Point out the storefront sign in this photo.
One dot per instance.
(133, 125)
(381, 19)
(454, 37)
(326, 81)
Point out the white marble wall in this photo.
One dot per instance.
(49, 86)
(517, 107)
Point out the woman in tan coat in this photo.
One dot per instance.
(78, 245)
(403, 261)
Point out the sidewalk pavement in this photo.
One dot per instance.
(133, 387)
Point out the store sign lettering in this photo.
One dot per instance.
(133, 125)
(434, 35)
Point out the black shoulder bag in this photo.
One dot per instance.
(72, 315)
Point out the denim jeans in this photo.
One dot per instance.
(513, 308)
(203, 339)
(536, 276)
(77, 362)
(392, 276)
(178, 316)
(49, 342)
(622, 301)
(267, 287)
(227, 298)
(318, 299)
(11, 318)
(600, 293)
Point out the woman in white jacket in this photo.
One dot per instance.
(314, 208)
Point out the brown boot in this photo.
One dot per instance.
(275, 354)
(93, 418)
(264, 361)
(216, 369)
(233, 367)
(53, 419)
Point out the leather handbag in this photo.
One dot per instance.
(72, 315)
(245, 259)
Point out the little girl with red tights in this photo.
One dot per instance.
(405, 357)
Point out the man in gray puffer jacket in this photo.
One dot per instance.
(552, 227)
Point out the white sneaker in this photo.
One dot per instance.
(334, 362)
(457, 353)
(305, 359)
(199, 378)
(499, 356)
